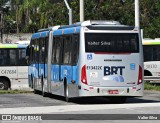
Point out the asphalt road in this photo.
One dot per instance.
(36, 100)
(82, 108)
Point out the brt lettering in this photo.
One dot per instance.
(113, 70)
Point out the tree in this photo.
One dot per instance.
(31, 15)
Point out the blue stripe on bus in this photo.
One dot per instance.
(57, 32)
(44, 34)
(40, 34)
(22, 46)
(78, 29)
(36, 71)
(55, 73)
(65, 71)
(67, 31)
(75, 74)
(35, 35)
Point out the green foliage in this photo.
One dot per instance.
(149, 86)
(44, 13)
(14, 91)
(2, 2)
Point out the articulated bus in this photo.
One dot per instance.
(13, 67)
(151, 49)
(91, 58)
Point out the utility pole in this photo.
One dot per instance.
(81, 10)
(70, 12)
(137, 23)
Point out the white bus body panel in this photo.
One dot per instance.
(18, 76)
(98, 83)
(153, 67)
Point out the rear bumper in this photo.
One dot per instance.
(107, 91)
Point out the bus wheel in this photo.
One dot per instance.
(66, 92)
(4, 84)
(117, 100)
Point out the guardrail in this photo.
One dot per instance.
(152, 79)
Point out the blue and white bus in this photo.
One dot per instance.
(92, 58)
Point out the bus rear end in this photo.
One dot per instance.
(111, 62)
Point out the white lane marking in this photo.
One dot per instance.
(69, 108)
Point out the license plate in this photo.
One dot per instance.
(113, 92)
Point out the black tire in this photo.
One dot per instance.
(66, 92)
(4, 85)
(118, 100)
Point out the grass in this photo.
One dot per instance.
(149, 86)
(14, 91)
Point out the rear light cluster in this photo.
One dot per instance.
(140, 76)
(84, 75)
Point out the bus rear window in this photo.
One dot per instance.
(112, 42)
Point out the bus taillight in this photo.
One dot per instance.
(84, 75)
(140, 76)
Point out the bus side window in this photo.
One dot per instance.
(30, 52)
(54, 60)
(21, 57)
(37, 51)
(56, 50)
(75, 48)
(34, 52)
(6, 60)
(12, 57)
(27, 54)
(42, 51)
(1, 57)
(46, 49)
(67, 49)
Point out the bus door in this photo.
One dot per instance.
(64, 58)
(75, 54)
(56, 59)
(66, 68)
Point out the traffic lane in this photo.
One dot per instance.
(91, 109)
(28, 100)
(36, 100)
